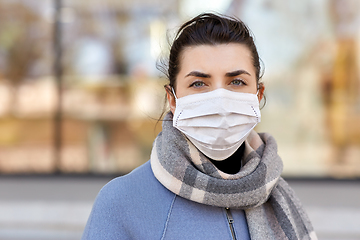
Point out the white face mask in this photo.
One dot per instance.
(217, 122)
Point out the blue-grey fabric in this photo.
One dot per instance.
(137, 206)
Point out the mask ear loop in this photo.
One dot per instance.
(173, 91)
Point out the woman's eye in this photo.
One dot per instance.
(197, 84)
(237, 82)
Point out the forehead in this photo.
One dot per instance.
(217, 57)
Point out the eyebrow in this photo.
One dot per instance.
(237, 73)
(229, 74)
(198, 74)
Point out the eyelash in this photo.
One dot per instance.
(193, 84)
(241, 82)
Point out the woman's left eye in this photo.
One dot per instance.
(237, 82)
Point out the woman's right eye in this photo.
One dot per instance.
(197, 84)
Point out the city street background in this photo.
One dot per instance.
(80, 95)
(80, 91)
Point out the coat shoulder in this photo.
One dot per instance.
(128, 203)
(140, 182)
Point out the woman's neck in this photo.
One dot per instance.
(232, 164)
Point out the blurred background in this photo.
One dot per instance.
(80, 93)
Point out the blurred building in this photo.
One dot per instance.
(112, 92)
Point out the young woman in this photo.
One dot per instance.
(210, 175)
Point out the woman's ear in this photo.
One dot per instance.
(261, 91)
(171, 99)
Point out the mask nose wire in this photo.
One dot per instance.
(173, 91)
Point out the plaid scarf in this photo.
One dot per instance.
(271, 208)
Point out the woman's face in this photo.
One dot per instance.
(205, 68)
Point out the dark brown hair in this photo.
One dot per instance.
(210, 29)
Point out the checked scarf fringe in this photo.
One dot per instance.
(272, 210)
